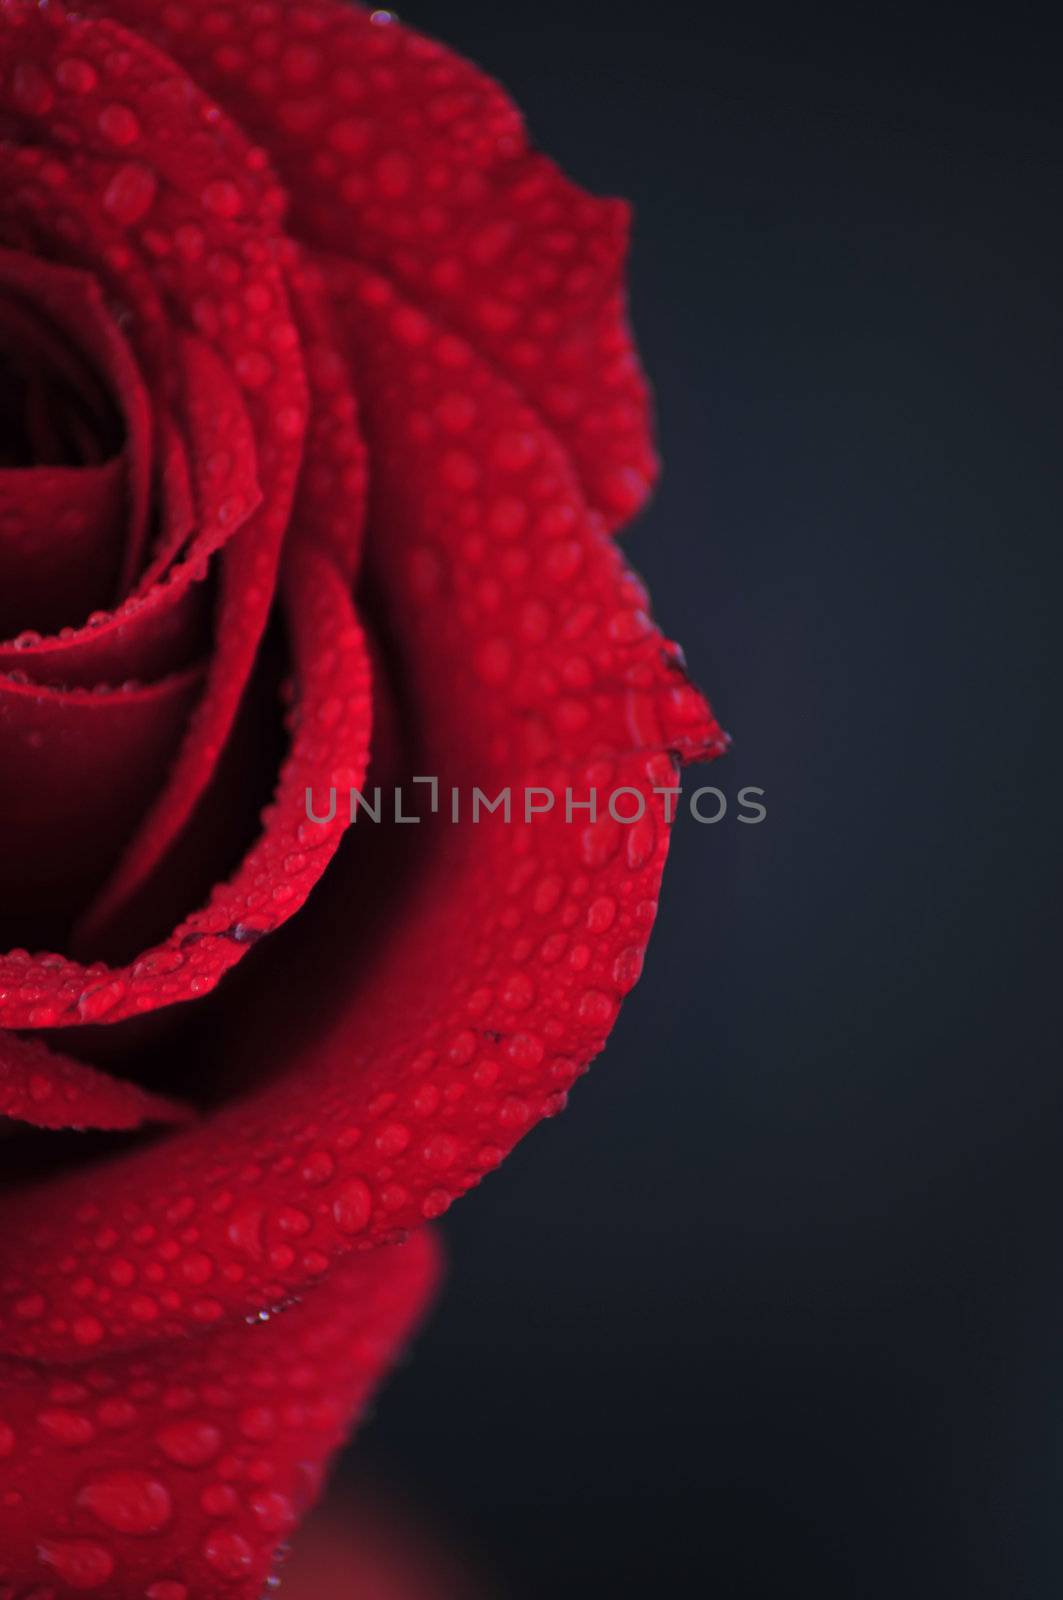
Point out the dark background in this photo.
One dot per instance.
(776, 1306)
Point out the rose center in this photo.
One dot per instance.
(54, 411)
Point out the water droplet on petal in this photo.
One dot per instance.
(70, 1428)
(127, 1501)
(352, 1206)
(275, 1512)
(82, 1565)
(76, 75)
(228, 1553)
(189, 1443)
(94, 1003)
(317, 1168)
(223, 198)
(130, 193)
(440, 1151)
(118, 124)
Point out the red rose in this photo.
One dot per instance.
(316, 387)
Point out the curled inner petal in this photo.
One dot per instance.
(63, 315)
(77, 768)
(60, 529)
(50, 1090)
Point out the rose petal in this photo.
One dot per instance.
(78, 769)
(180, 1473)
(57, 525)
(246, 318)
(209, 428)
(221, 448)
(329, 515)
(218, 444)
(529, 659)
(211, 210)
(49, 1090)
(331, 723)
(97, 92)
(216, 429)
(224, 277)
(398, 153)
(73, 302)
(333, 490)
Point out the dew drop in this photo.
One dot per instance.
(641, 842)
(275, 1512)
(219, 1499)
(317, 1168)
(228, 1553)
(245, 1230)
(189, 1443)
(426, 1100)
(80, 1564)
(118, 124)
(94, 1003)
(600, 842)
(601, 914)
(597, 1008)
(525, 1050)
(352, 1206)
(130, 193)
(127, 1501)
(292, 1222)
(257, 1423)
(440, 1151)
(392, 1139)
(627, 968)
(517, 992)
(70, 1428)
(223, 198)
(76, 75)
(514, 1112)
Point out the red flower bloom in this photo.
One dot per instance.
(315, 386)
